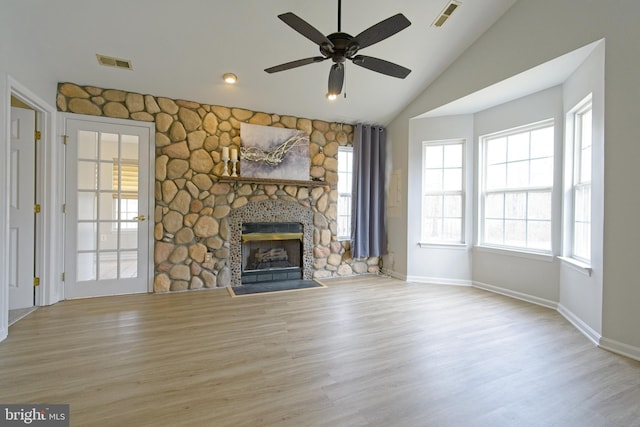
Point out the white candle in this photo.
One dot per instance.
(234, 155)
(225, 153)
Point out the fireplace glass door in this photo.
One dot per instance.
(271, 251)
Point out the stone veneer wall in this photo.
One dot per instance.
(192, 208)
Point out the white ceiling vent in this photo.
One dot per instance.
(110, 61)
(446, 13)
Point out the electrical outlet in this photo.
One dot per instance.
(208, 257)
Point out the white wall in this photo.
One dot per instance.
(19, 64)
(535, 275)
(395, 262)
(581, 294)
(438, 264)
(533, 32)
(23, 52)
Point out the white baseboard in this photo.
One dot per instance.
(517, 295)
(580, 325)
(426, 280)
(620, 348)
(438, 281)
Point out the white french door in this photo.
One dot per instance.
(107, 209)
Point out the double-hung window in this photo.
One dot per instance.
(581, 188)
(345, 189)
(443, 192)
(516, 188)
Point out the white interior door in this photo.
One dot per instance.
(107, 209)
(21, 214)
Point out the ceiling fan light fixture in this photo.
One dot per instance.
(230, 78)
(332, 96)
(340, 47)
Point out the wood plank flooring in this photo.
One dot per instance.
(365, 351)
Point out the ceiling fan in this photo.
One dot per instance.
(341, 46)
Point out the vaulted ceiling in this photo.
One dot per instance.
(181, 49)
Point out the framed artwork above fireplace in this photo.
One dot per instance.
(274, 153)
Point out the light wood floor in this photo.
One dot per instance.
(365, 351)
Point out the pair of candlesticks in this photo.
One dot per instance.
(226, 158)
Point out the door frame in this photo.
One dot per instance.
(49, 234)
(151, 178)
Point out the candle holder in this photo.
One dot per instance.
(234, 162)
(225, 171)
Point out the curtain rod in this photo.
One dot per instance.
(380, 128)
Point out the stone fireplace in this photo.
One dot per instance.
(280, 233)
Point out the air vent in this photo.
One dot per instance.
(110, 61)
(446, 13)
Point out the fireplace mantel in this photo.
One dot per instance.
(301, 183)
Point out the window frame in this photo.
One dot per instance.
(339, 215)
(527, 190)
(461, 192)
(574, 166)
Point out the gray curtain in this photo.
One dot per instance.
(368, 232)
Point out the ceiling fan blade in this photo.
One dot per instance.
(294, 64)
(336, 78)
(381, 66)
(304, 28)
(382, 30)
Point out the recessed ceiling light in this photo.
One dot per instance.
(230, 78)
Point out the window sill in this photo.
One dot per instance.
(455, 246)
(579, 266)
(515, 253)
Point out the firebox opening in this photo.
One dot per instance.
(271, 251)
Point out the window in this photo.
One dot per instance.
(442, 192)
(516, 188)
(581, 187)
(345, 189)
(128, 211)
(125, 178)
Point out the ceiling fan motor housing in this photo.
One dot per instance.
(344, 47)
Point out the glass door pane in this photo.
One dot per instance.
(107, 194)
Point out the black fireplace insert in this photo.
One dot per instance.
(271, 251)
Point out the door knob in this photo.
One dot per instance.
(139, 218)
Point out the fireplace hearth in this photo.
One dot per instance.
(271, 251)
